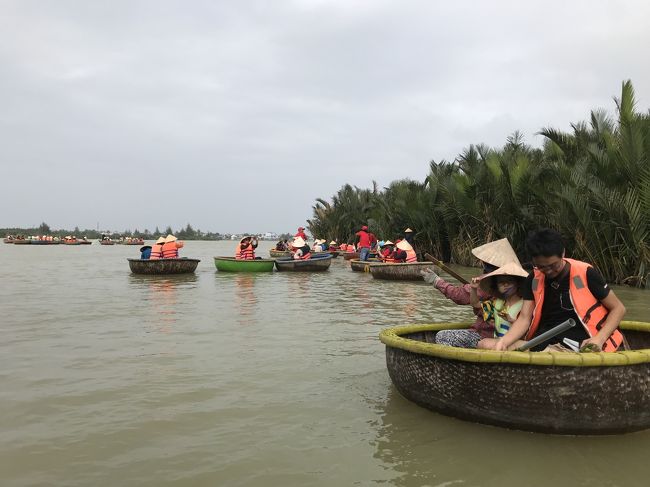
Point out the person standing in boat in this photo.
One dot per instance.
(300, 249)
(364, 241)
(301, 233)
(560, 289)
(409, 236)
(171, 246)
(491, 255)
(156, 249)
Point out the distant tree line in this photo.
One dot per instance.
(186, 233)
(592, 184)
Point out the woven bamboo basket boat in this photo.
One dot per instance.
(8, 240)
(315, 264)
(106, 242)
(276, 254)
(230, 264)
(22, 241)
(403, 271)
(163, 266)
(549, 392)
(363, 266)
(350, 255)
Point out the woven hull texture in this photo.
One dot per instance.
(230, 264)
(590, 397)
(400, 272)
(163, 266)
(362, 266)
(315, 264)
(279, 253)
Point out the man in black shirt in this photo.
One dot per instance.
(557, 291)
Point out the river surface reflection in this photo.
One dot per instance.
(109, 378)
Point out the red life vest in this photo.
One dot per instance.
(156, 252)
(411, 256)
(169, 250)
(238, 251)
(591, 313)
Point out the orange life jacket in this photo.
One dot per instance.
(411, 256)
(169, 250)
(591, 313)
(246, 253)
(156, 252)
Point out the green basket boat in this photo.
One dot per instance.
(230, 264)
(549, 392)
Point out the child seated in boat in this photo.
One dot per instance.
(502, 309)
(386, 251)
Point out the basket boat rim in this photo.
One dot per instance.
(392, 337)
(148, 261)
(233, 259)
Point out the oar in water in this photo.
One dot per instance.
(547, 335)
(441, 264)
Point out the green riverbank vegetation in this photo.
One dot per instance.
(592, 184)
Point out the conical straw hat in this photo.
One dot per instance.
(170, 238)
(298, 242)
(404, 245)
(333, 242)
(160, 240)
(509, 269)
(388, 242)
(408, 230)
(497, 253)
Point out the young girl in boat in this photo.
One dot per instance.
(504, 284)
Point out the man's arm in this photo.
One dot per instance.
(616, 312)
(518, 328)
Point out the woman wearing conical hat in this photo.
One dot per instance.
(491, 256)
(171, 246)
(300, 249)
(156, 249)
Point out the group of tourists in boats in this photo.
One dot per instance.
(164, 248)
(512, 305)
(46, 240)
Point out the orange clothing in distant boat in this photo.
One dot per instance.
(301, 234)
(170, 249)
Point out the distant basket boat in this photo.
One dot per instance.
(132, 242)
(230, 264)
(549, 392)
(22, 241)
(363, 265)
(36, 241)
(403, 271)
(8, 240)
(163, 266)
(85, 242)
(106, 242)
(315, 264)
(279, 253)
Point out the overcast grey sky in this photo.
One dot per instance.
(235, 115)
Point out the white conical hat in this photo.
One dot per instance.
(509, 269)
(333, 242)
(160, 240)
(388, 242)
(404, 245)
(497, 253)
(170, 238)
(298, 242)
(408, 230)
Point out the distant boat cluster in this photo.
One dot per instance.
(68, 240)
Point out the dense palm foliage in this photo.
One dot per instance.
(592, 184)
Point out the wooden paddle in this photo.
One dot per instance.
(440, 264)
